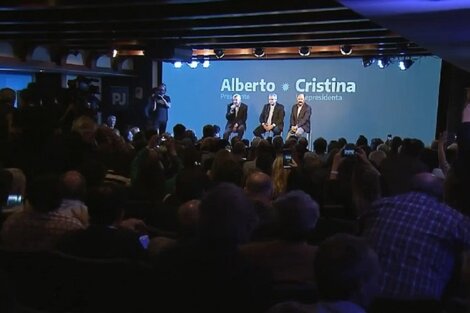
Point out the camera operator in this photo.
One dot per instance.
(157, 109)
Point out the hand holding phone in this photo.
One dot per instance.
(287, 161)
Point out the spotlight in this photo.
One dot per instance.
(115, 53)
(206, 63)
(259, 52)
(405, 64)
(193, 64)
(304, 51)
(383, 62)
(367, 61)
(345, 49)
(177, 64)
(219, 53)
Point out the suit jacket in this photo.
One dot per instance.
(241, 117)
(278, 115)
(303, 120)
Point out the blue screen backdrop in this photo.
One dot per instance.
(347, 99)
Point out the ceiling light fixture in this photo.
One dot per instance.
(304, 51)
(193, 64)
(383, 62)
(115, 53)
(405, 64)
(345, 49)
(219, 53)
(367, 61)
(259, 52)
(177, 64)
(206, 63)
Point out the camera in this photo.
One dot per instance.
(349, 150)
(287, 158)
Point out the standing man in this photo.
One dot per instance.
(271, 118)
(237, 113)
(300, 117)
(157, 108)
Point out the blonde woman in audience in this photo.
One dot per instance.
(279, 176)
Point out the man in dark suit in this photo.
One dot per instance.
(237, 113)
(271, 118)
(300, 117)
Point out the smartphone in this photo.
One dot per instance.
(349, 150)
(14, 200)
(451, 138)
(144, 241)
(287, 158)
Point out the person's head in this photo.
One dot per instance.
(86, 127)
(6, 179)
(300, 99)
(132, 132)
(188, 217)
(161, 89)
(319, 145)
(362, 141)
(111, 121)
(191, 183)
(179, 131)
(43, 193)
(216, 130)
(239, 149)
(346, 269)
(259, 186)
(106, 204)
(236, 99)
(297, 215)
(429, 184)
(7, 96)
(227, 217)
(72, 185)
(272, 99)
(208, 131)
(225, 168)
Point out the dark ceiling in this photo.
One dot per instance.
(158, 27)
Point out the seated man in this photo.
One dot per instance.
(271, 118)
(300, 117)
(236, 117)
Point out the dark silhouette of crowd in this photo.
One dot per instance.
(93, 221)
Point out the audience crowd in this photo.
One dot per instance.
(216, 225)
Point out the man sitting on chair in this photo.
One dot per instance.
(300, 117)
(271, 118)
(236, 117)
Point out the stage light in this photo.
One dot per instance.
(383, 62)
(177, 64)
(259, 52)
(206, 63)
(193, 64)
(115, 53)
(219, 53)
(345, 49)
(304, 51)
(367, 61)
(405, 64)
